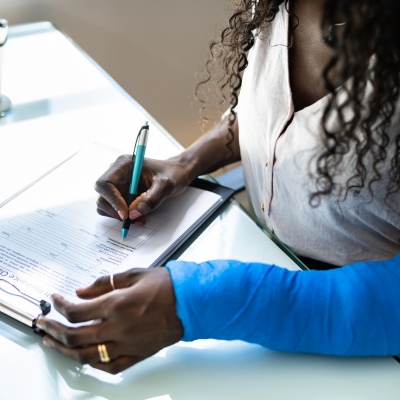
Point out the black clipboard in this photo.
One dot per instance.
(225, 193)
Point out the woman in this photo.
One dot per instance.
(319, 141)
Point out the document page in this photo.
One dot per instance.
(53, 241)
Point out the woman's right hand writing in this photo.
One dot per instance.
(160, 179)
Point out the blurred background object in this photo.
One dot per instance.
(5, 103)
(152, 48)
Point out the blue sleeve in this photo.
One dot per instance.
(349, 311)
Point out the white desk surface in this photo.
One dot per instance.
(62, 101)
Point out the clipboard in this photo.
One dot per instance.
(16, 298)
(26, 315)
(226, 193)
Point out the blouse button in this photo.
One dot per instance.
(262, 208)
(266, 163)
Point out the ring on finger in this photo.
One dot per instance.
(112, 281)
(103, 353)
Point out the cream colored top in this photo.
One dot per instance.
(277, 166)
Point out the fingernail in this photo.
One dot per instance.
(139, 223)
(134, 214)
(121, 215)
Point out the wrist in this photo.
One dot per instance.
(211, 152)
(190, 162)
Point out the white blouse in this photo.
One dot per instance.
(277, 164)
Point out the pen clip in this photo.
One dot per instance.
(135, 147)
(145, 126)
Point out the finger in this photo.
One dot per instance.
(90, 355)
(103, 285)
(121, 280)
(85, 354)
(132, 276)
(111, 201)
(74, 337)
(99, 287)
(102, 213)
(104, 208)
(81, 312)
(115, 179)
(117, 365)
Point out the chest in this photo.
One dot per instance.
(308, 53)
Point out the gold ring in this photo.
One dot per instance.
(103, 354)
(112, 281)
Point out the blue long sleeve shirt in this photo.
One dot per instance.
(349, 311)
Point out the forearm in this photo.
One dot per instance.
(354, 310)
(211, 151)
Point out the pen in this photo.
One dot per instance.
(138, 157)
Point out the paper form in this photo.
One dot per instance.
(53, 241)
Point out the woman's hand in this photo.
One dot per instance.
(163, 179)
(135, 321)
(159, 181)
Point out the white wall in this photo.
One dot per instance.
(153, 48)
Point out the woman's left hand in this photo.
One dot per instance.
(135, 321)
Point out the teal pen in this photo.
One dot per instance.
(138, 158)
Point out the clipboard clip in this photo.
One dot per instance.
(25, 317)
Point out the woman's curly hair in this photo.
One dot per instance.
(371, 32)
